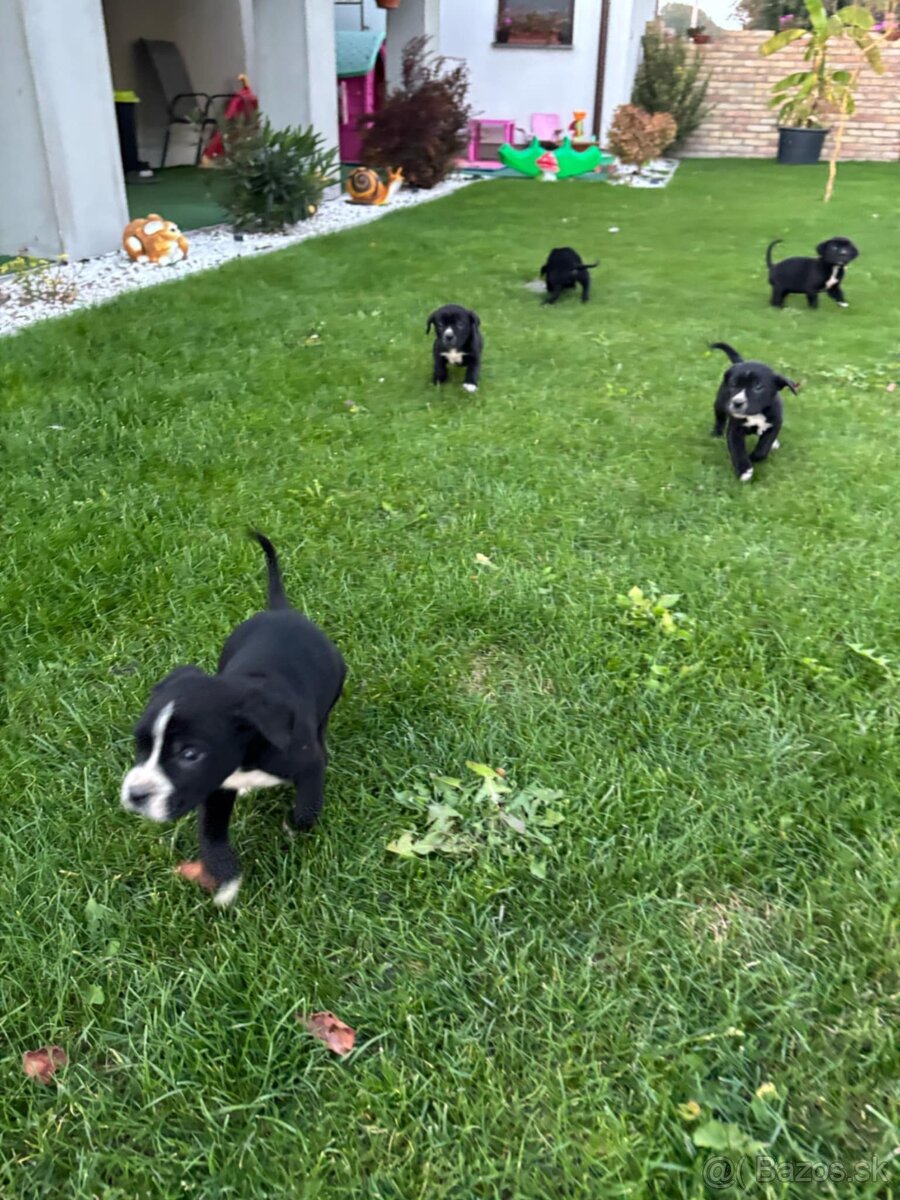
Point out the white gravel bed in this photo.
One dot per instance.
(104, 278)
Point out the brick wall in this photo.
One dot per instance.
(742, 125)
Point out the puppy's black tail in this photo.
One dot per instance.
(777, 242)
(277, 598)
(590, 266)
(729, 350)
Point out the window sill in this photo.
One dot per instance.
(529, 46)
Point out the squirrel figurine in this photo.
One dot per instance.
(364, 186)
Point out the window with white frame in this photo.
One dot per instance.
(534, 22)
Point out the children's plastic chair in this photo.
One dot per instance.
(547, 127)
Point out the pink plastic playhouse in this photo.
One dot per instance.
(360, 70)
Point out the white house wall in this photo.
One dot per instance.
(28, 221)
(70, 164)
(514, 82)
(627, 21)
(294, 67)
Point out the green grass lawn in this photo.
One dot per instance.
(718, 907)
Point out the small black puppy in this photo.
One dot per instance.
(458, 340)
(564, 269)
(810, 276)
(258, 722)
(748, 403)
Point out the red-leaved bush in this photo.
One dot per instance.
(636, 136)
(423, 125)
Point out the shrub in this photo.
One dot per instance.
(636, 136)
(423, 125)
(273, 177)
(669, 80)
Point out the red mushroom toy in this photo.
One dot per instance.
(549, 166)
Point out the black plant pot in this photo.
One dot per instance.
(502, 37)
(800, 147)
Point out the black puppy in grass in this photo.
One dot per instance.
(458, 341)
(259, 722)
(809, 276)
(747, 403)
(564, 269)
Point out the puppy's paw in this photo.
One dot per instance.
(227, 893)
(776, 445)
(197, 873)
(747, 475)
(471, 387)
(843, 304)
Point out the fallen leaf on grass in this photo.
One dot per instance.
(716, 1135)
(42, 1064)
(766, 1090)
(325, 1026)
(891, 387)
(196, 873)
(484, 561)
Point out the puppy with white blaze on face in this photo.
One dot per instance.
(748, 402)
(260, 721)
(458, 342)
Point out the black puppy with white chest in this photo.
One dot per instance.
(258, 722)
(810, 276)
(747, 403)
(458, 341)
(564, 269)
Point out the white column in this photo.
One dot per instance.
(295, 74)
(414, 18)
(72, 93)
(28, 221)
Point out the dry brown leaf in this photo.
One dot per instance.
(197, 873)
(329, 1029)
(42, 1064)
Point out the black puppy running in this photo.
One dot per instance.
(458, 340)
(809, 276)
(258, 722)
(748, 403)
(564, 269)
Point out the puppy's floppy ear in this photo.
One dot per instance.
(474, 318)
(431, 321)
(268, 714)
(782, 381)
(822, 247)
(178, 674)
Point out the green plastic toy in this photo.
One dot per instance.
(571, 161)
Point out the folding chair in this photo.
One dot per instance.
(175, 85)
